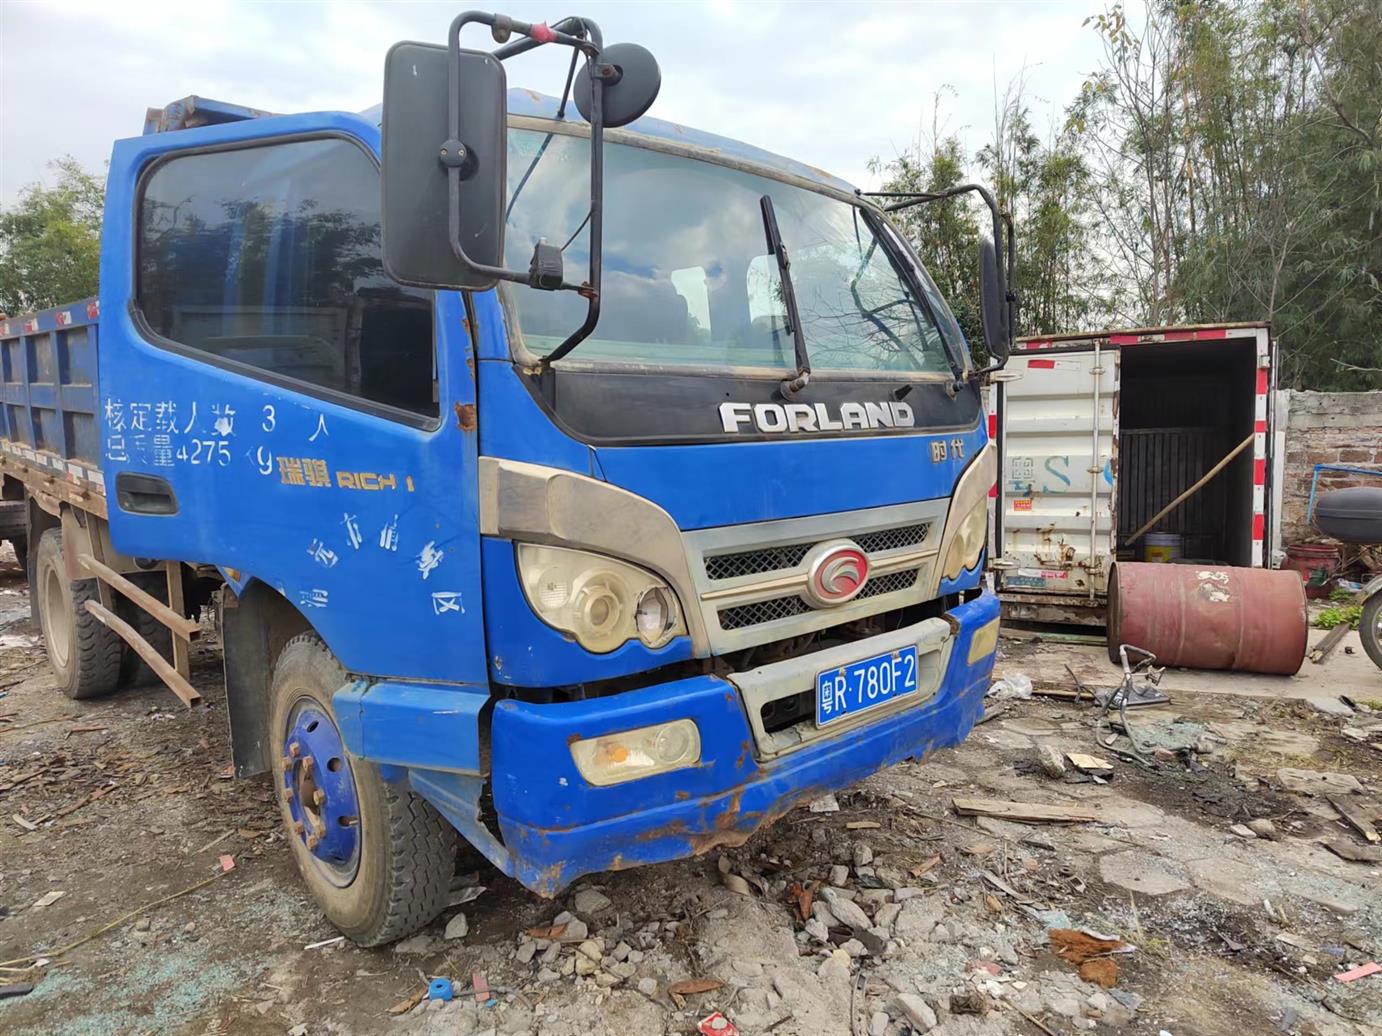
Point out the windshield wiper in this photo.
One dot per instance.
(789, 299)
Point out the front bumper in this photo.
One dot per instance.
(556, 826)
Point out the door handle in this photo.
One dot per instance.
(144, 494)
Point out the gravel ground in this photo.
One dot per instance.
(891, 915)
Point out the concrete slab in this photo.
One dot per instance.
(1352, 675)
(1142, 872)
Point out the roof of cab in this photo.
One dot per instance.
(202, 111)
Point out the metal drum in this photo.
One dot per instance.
(1209, 617)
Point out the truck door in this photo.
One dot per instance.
(1055, 492)
(274, 405)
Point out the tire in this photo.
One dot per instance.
(1370, 628)
(84, 653)
(134, 671)
(398, 876)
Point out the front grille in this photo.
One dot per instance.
(893, 539)
(742, 615)
(775, 559)
(755, 562)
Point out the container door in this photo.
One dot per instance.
(1055, 491)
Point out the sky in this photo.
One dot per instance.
(830, 84)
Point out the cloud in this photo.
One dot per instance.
(831, 84)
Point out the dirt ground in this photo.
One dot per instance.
(920, 919)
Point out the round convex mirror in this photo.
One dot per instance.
(634, 91)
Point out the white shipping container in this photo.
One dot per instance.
(1098, 432)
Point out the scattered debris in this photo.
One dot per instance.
(227, 863)
(1102, 971)
(324, 942)
(1263, 828)
(1362, 971)
(827, 803)
(24, 822)
(457, 928)
(1012, 687)
(591, 902)
(462, 896)
(1316, 782)
(441, 989)
(18, 989)
(1050, 760)
(215, 841)
(692, 986)
(1077, 946)
(1031, 812)
(1356, 818)
(47, 899)
(716, 1024)
(1090, 764)
(409, 1002)
(1353, 852)
(480, 987)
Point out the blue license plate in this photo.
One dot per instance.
(860, 686)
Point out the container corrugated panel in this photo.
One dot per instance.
(1156, 465)
(1052, 475)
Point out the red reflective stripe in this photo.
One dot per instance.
(1039, 343)
(993, 426)
(1122, 339)
(1260, 426)
(1210, 333)
(1259, 525)
(1259, 472)
(1261, 382)
(993, 491)
(1045, 365)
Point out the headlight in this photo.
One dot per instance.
(600, 601)
(631, 754)
(968, 542)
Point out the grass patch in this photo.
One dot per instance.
(1337, 615)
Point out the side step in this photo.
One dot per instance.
(176, 675)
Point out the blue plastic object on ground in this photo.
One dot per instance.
(441, 989)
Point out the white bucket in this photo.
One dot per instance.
(1162, 547)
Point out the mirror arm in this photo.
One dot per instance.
(454, 157)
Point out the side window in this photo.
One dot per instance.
(269, 256)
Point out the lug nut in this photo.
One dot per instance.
(318, 797)
(295, 750)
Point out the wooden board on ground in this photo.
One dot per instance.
(1029, 812)
(1357, 817)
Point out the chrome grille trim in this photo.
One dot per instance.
(776, 559)
(759, 612)
(762, 603)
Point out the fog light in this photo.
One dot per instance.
(627, 756)
(984, 641)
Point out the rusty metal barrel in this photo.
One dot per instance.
(1209, 617)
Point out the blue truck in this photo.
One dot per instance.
(595, 570)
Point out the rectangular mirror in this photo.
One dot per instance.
(416, 205)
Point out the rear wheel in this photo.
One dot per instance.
(1370, 628)
(134, 671)
(377, 857)
(84, 652)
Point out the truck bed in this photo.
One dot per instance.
(50, 436)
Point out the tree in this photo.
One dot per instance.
(50, 241)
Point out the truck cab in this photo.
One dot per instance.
(617, 607)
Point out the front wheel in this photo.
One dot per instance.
(377, 857)
(1370, 628)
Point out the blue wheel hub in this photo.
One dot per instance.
(319, 789)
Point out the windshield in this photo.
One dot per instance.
(688, 279)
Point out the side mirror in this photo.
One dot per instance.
(421, 146)
(994, 311)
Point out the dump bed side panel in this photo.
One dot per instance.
(49, 403)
